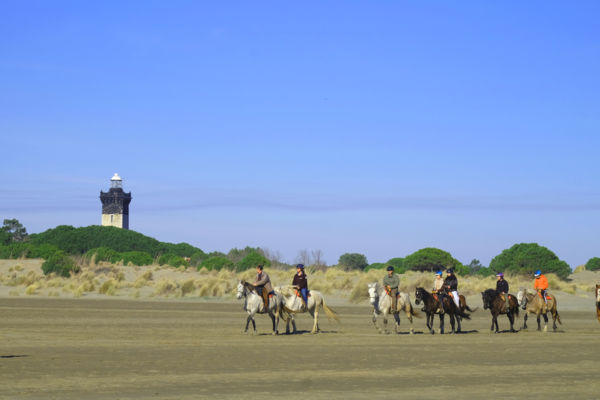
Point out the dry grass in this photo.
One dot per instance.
(112, 280)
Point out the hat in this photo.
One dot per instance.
(537, 273)
(439, 273)
(300, 266)
(390, 268)
(450, 271)
(499, 274)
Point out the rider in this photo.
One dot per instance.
(451, 285)
(502, 288)
(438, 286)
(263, 285)
(301, 283)
(391, 282)
(541, 284)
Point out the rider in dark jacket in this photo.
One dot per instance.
(502, 288)
(451, 285)
(301, 283)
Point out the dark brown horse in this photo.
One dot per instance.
(598, 301)
(494, 302)
(432, 304)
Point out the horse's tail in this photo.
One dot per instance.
(469, 308)
(329, 312)
(462, 313)
(558, 317)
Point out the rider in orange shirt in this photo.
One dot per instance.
(541, 284)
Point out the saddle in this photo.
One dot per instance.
(548, 297)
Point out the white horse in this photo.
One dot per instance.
(253, 304)
(293, 304)
(382, 304)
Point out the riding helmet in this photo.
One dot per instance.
(450, 271)
(301, 266)
(537, 273)
(390, 268)
(500, 274)
(439, 273)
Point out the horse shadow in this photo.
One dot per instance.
(15, 356)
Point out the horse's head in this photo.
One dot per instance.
(597, 293)
(373, 295)
(241, 290)
(522, 298)
(487, 298)
(419, 295)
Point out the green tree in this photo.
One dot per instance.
(251, 260)
(14, 229)
(593, 264)
(375, 266)
(431, 259)
(353, 261)
(525, 258)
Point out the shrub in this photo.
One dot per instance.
(375, 266)
(593, 264)
(137, 258)
(216, 263)
(59, 263)
(104, 254)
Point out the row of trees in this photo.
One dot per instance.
(102, 243)
(522, 258)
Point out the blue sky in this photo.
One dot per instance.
(371, 127)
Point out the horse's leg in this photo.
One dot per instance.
(525, 320)
(247, 323)
(253, 325)
(554, 316)
(441, 324)
(545, 322)
(492, 327)
(452, 318)
(511, 319)
(274, 324)
(538, 321)
(458, 323)
(430, 322)
(410, 319)
(287, 325)
(315, 314)
(374, 319)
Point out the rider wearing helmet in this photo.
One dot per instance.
(451, 286)
(438, 286)
(502, 288)
(391, 282)
(541, 284)
(301, 283)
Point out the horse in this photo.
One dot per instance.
(497, 306)
(293, 304)
(533, 303)
(382, 304)
(431, 305)
(598, 301)
(254, 304)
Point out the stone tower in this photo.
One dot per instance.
(115, 204)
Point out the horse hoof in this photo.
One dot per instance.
(254, 333)
(245, 332)
(412, 331)
(545, 329)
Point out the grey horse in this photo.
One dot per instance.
(382, 305)
(253, 304)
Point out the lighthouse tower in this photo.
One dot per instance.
(115, 204)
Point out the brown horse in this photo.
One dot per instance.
(533, 303)
(431, 305)
(598, 301)
(497, 306)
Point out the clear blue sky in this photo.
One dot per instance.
(372, 127)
